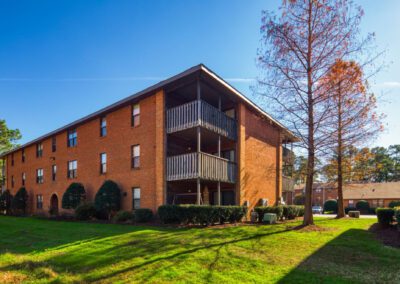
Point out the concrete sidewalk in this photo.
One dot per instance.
(334, 215)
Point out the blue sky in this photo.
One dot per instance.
(61, 60)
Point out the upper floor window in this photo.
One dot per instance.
(12, 181)
(12, 159)
(53, 144)
(103, 127)
(53, 172)
(39, 176)
(135, 198)
(136, 156)
(23, 179)
(39, 150)
(135, 115)
(72, 169)
(39, 201)
(230, 112)
(23, 155)
(72, 138)
(103, 163)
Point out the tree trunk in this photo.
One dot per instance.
(308, 216)
(340, 212)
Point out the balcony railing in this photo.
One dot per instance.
(210, 167)
(187, 116)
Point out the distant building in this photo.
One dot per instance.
(377, 194)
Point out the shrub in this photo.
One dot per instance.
(331, 206)
(73, 196)
(108, 199)
(362, 206)
(397, 215)
(278, 210)
(200, 214)
(85, 211)
(19, 202)
(385, 215)
(5, 202)
(372, 211)
(301, 210)
(347, 209)
(299, 199)
(394, 203)
(290, 212)
(143, 215)
(123, 216)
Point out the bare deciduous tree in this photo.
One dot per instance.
(299, 48)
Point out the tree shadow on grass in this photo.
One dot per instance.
(137, 250)
(352, 257)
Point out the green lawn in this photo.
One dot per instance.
(41, 251)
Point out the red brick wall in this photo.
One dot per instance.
(117, 144)
(259, 166)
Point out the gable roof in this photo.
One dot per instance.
(154, 88)
(384, 190)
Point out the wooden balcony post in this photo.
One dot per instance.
(198, 143)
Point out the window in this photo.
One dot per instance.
(39, 150)
(12, 181)
(23, 179)
(39, 176)
(103, 127)
(230, 113)
(136, 198)
(53, 144)
(72, 138)
(39, 201)
(23, 156)
(229, 155)
(72, 168)
(135, 156)
(12, 159)
(380, 203)
(136, 115)
(103, 163)
(53, 172)
(351, 202)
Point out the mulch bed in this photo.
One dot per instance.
(390, 235)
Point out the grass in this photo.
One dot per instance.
(42, 251)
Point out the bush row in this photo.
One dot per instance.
(15, 205)
(200, 214)
(88, 211)
(287, 212)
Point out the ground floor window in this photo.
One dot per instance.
(135, 198)
(39, 201)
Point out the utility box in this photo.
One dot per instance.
(354, 214)
(270, 218)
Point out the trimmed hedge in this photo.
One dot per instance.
(287, 212)
(200, 214)
(278, 210)
(85, 211)
(394, 203)
(331, 206)
(363, 206)
(143, 215)
(385, 216)
(299, 199)
(123, 216)
(73, 196)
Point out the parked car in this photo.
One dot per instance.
(317, 210)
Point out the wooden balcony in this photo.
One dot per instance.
(210, 167)
(200, 113)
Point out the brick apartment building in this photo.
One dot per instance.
(189, 139)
